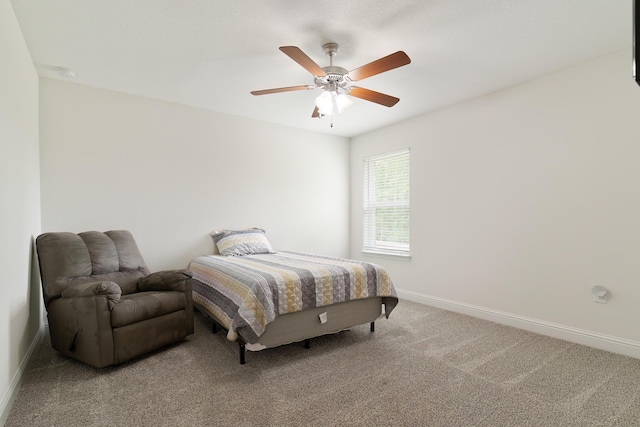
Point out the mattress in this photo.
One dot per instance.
(248, 293)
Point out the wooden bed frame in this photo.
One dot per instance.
(304, 325)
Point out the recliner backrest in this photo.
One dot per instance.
(67, 259)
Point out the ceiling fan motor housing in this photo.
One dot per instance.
(337, 77)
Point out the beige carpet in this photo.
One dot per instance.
(422, 367)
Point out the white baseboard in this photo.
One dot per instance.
(567, 333)
(16, 382)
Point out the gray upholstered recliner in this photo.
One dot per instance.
(103, 306)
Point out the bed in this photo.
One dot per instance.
(265, 299)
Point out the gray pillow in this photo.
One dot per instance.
(242, 242)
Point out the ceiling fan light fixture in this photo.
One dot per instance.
(343, 102)
(330, 101)
(324, 102)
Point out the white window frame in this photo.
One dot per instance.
(370, 245)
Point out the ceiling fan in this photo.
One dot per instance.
(337, 82)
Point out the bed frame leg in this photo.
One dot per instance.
(241, 348)
(373, 326)
(307, 344)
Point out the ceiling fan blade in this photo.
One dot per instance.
(316, 113)
(377, 97)
(301, 58)
(282, 89)
(387, 63)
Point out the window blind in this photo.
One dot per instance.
(386, 203)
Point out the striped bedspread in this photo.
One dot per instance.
(246, 293)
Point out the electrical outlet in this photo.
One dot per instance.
(600, 294)
(601, 300)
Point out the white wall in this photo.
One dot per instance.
(172, 174)
(20, 309)
(522, 201)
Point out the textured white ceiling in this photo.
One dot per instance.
(212, 53)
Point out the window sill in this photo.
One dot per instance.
(389, 255)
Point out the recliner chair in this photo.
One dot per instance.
(103, 305)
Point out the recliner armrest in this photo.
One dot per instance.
(110, 290)
(168, 280)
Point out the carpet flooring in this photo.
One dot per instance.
(423, 366)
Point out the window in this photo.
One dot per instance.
(386, 203)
